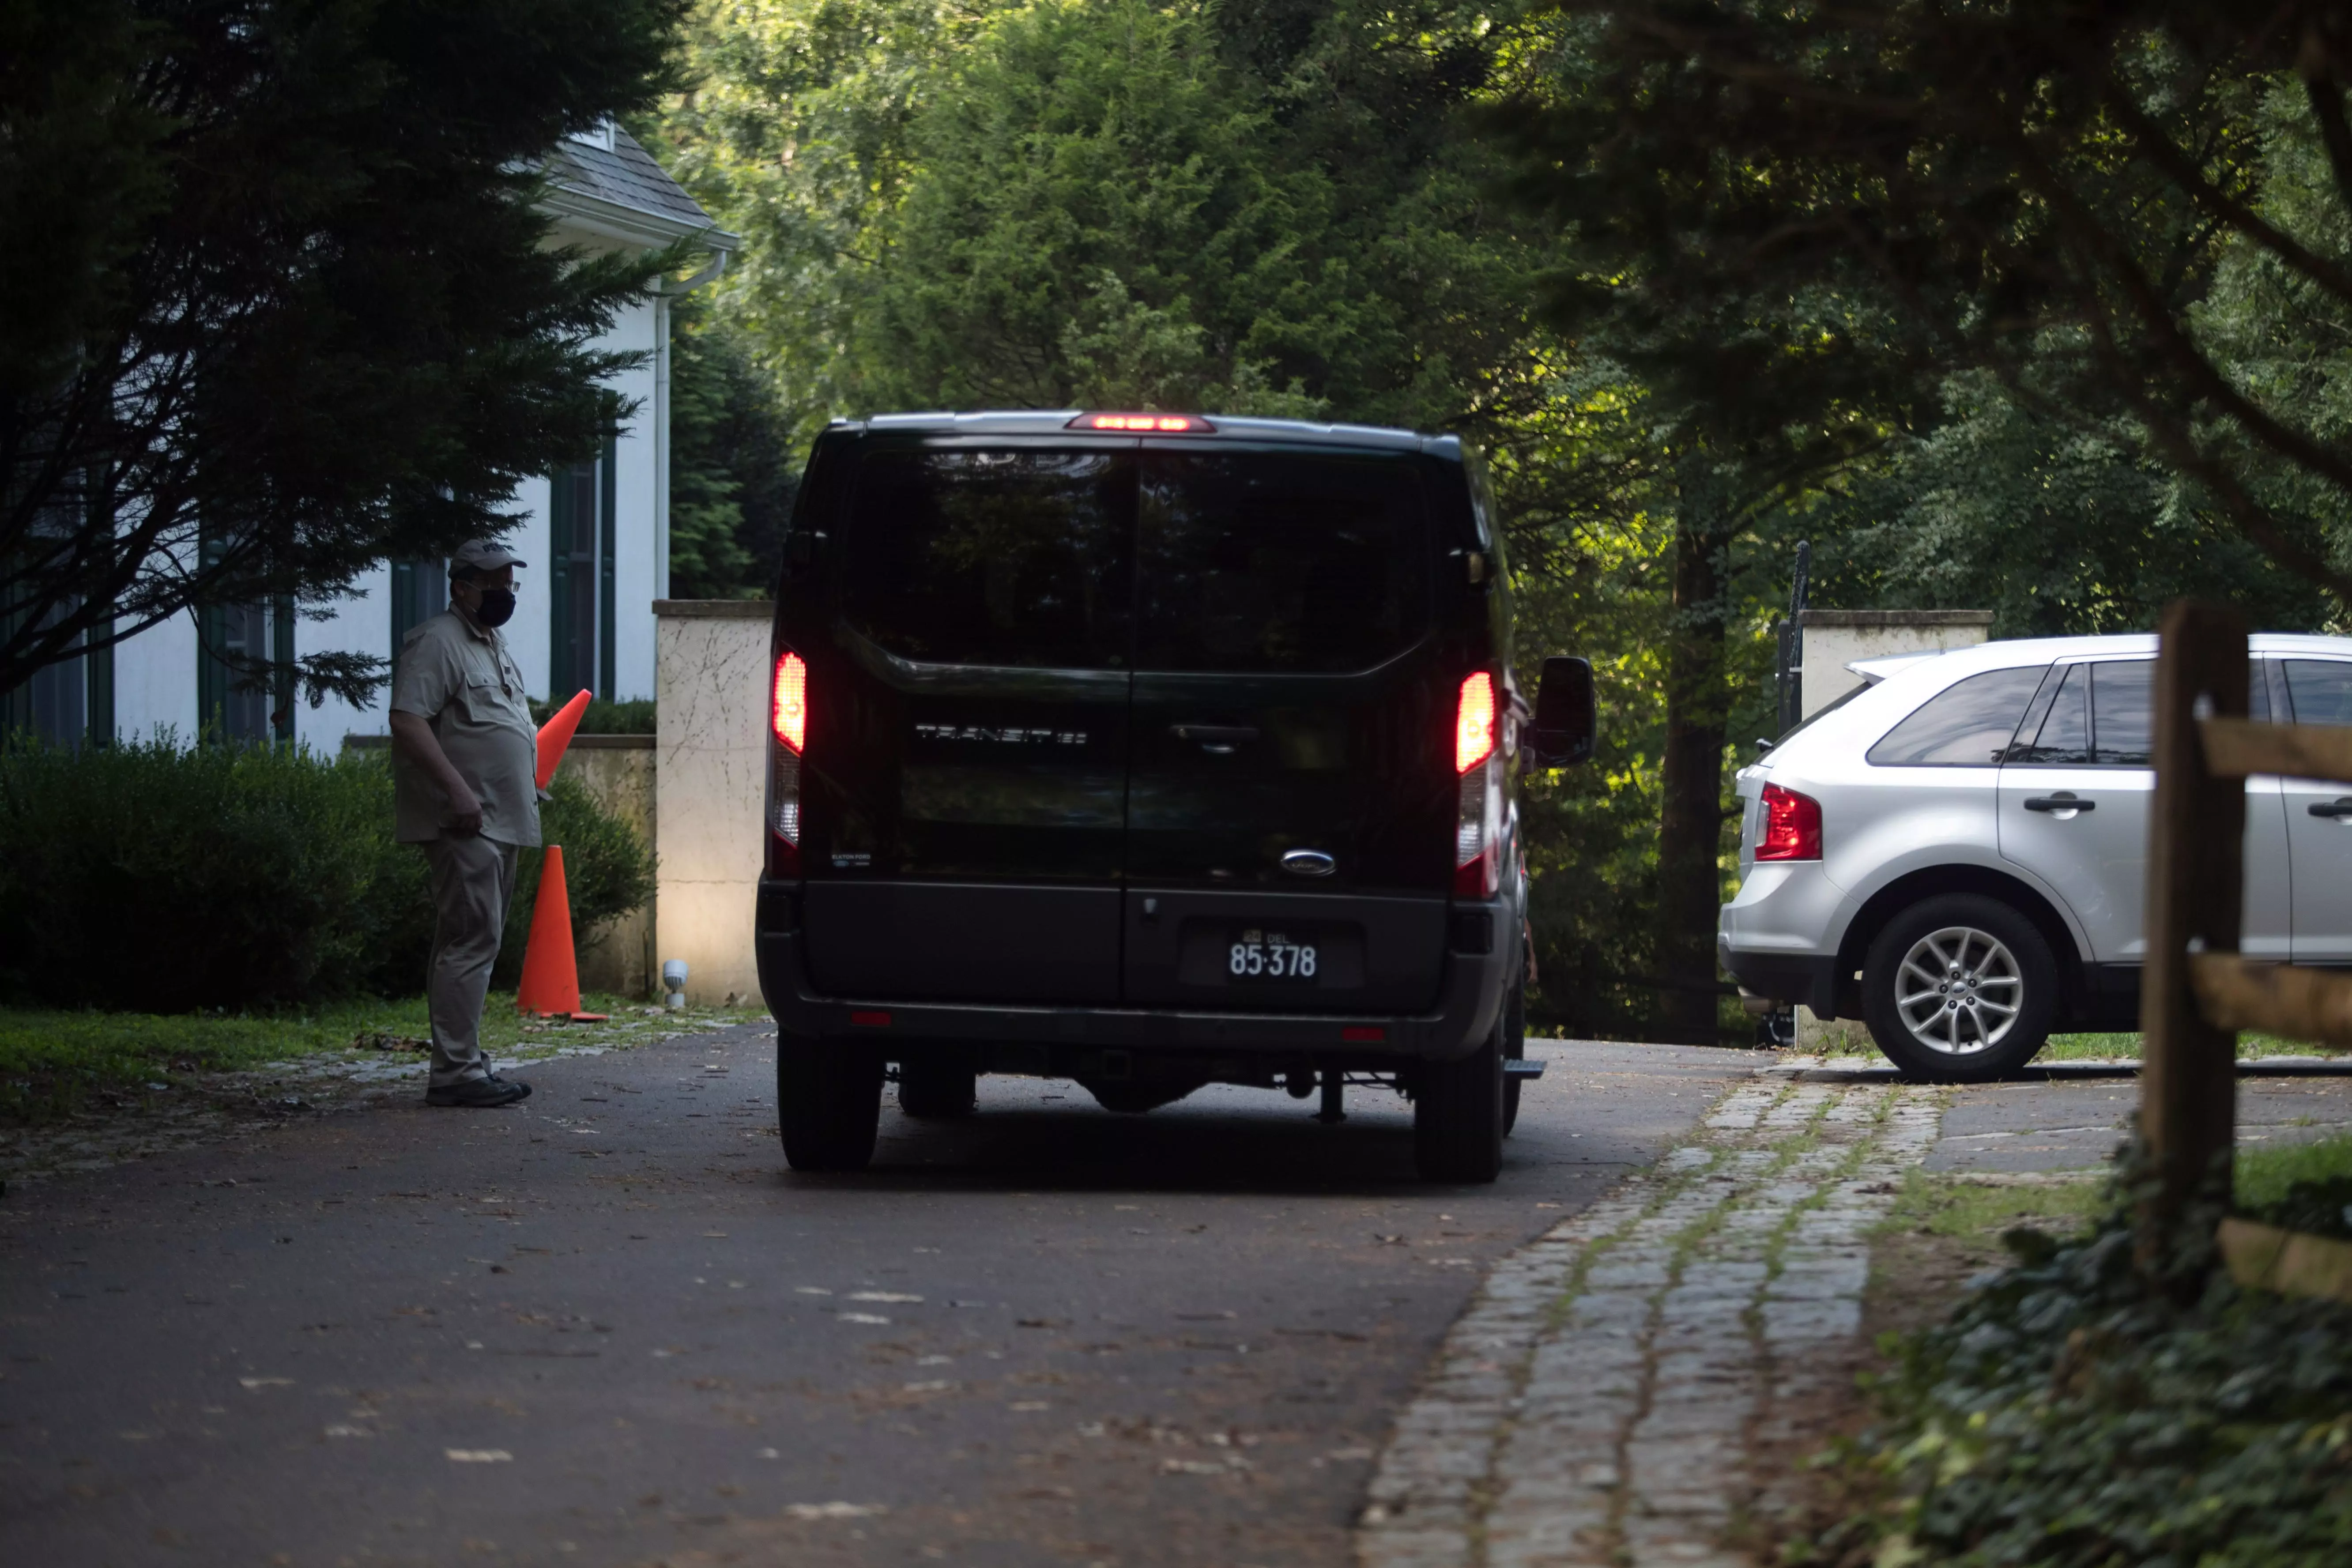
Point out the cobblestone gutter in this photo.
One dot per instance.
(1605, 1399)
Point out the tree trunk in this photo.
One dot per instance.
(1698, 700)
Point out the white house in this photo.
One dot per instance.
(596, 536)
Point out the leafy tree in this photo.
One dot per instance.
(731, 480)
(291, 310)
(2050, 191)
(2058, 525)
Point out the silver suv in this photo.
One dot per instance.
(1955, 852)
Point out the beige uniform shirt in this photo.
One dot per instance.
(464, 684)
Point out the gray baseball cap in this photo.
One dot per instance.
(484, 555)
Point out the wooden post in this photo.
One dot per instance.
(2195, 844)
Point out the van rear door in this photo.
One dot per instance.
(1291, 800)
(964, 824)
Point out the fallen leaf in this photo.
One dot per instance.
(835, 1510)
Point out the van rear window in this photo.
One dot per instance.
(1017, 557)
(1278, 562)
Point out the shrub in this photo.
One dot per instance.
(607, 870)
(602, 718)
(152, 878)
(2077, 1413)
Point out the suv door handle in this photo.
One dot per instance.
(2338, 809)
(1219, 740)
(2062, 800)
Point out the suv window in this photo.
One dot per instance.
(2123, 713)
(2321, 690)
(1279, 562)
(1965, 725)
(2062, 736)
(1006, 557)
(2104, 715)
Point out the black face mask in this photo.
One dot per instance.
(496, 608)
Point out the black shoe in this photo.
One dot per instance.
(481, 1093)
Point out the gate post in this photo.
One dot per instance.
(2197, 825)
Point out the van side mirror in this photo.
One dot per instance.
(1564, 723)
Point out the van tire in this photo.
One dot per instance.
(828, 1103)
(1457, 1115)
(1515, 1045)
(2027, 958)
(937, 1088)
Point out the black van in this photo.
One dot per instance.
(1149, 751)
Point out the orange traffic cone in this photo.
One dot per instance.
(556, 734)
(551, 973)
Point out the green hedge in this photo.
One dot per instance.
(159, 878)
(636, 717)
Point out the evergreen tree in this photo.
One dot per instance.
(279, 303)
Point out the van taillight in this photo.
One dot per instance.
(788, 711)
(790, 704)
(1478, 817)
(1474, 722)
(1793, 826)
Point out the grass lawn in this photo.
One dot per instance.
(54, 1063)
(2126, 1047)
(2265, 1172)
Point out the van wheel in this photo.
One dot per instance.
(1515, 1046)
(828, 1103)
(1960, 988)
(938, 1087)
(1457, 1115)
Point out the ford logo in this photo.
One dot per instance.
(1309, 863)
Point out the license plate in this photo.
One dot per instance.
(1256, 954)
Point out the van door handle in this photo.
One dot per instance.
(2062, 800)
(1218, 739)
(2338, 809)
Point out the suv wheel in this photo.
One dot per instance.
(828, 1103)
(1457, 1115)
(1960, 988)
(937, 1085)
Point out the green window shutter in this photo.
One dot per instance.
(606, 578)
(100, 665)
(281, 671)
(212, 673)
(559, 583)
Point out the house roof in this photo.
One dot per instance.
(621, 188)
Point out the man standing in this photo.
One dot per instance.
(464, 761)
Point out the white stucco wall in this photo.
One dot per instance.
(1835, 638)
(710, 790)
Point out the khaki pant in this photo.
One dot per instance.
(472, 880)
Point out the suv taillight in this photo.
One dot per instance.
(1793, 826)
(1478, 817)
(788, 711)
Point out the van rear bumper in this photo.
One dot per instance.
(1470, 995)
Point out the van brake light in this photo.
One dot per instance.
(1473, 721)
(1148, 423)
(788, 719)
(1478, 816)
(789, 712)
